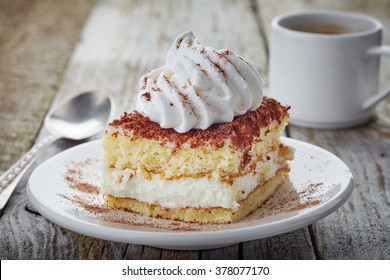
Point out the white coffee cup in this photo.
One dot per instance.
(329, 80)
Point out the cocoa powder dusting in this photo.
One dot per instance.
(76, 177)
(240, 131)
(287, 200)
(85, 187)
(86, 204)
(73, 176)
(217, 66)
(147, 96)
(179, 43)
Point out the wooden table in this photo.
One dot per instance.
(52, 49)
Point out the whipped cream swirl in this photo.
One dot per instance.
(198, 86)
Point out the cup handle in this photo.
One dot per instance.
(373, 100)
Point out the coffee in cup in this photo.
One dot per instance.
(325, 65)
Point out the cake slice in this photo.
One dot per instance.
(203, 144)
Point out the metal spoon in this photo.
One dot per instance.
(80, 117)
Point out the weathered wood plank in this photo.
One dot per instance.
(361, 228)
(34, 47)
(295, 245)
(226, 253)
(179, 255)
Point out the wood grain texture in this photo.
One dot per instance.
(120, 41)
(34, 48)
(295, 245)
(226, 253)
(361, 228)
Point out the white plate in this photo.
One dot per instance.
(65, 189)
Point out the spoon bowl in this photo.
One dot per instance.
(81, 116)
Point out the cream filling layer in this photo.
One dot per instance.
(183, 192)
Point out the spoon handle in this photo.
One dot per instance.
(10, 179)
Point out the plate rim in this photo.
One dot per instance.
(179, 240)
